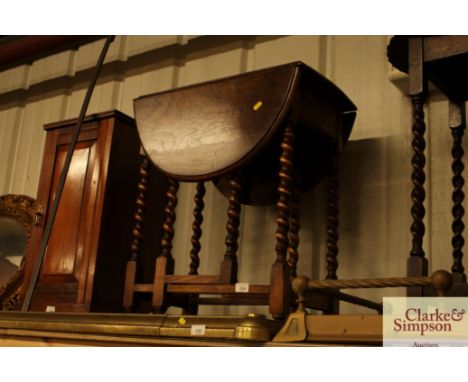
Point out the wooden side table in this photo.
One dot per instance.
(262, 137)
(442, 60)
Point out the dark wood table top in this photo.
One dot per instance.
(445, 60)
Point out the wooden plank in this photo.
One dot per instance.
(143, 288)
(191, 279)
(216, 289)
(159, 284)
(130, 286)
(416, 75)
(24, 49)
(438, 47)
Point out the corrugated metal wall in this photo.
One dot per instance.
(375, 167)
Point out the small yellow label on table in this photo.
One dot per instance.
(182, 320)
(258, 105)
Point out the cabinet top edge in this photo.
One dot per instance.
(91, 118)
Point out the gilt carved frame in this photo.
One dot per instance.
(23, 209)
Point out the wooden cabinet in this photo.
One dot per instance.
(84, 264)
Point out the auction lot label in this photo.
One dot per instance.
(425, 321)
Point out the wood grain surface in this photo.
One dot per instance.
(201, 130)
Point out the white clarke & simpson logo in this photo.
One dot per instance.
(425, 321)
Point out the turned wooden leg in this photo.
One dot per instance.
(332, 230)
(417, 262)
(165, 262)
(457, 126)
(332, 222)
(192, 305)
(294, 226)
(196, 227)
(280, 285)
(228, 272)
(137, 233)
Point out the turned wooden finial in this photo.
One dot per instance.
(300, 286)
(441, 281)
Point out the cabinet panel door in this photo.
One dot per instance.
(67, 240)
(85, 259)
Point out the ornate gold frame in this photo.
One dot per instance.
(23, 209)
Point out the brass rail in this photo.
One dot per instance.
(441, 281)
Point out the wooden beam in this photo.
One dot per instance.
(20, 50)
